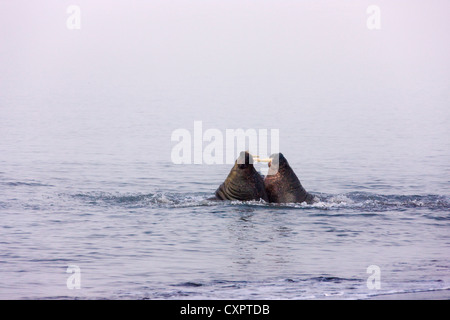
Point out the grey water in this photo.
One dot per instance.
(86, 177)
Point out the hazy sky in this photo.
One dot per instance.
(136, 71)
(272, 49)
(134, 39)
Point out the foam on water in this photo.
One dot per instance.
(353, 200)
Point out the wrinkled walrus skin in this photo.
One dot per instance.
(282, 184)
(243, 183)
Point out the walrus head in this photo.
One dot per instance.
(244, 161)
(243, 182)
(282, 184)
(277, 162)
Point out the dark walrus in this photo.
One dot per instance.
(243, 182)
(282, 185)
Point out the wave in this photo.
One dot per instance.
(414, 294)
(245, 291)
(158, 199)
(360, 201)
(26, 184)
(366, 201)
(305, 288)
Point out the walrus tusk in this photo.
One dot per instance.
(255, 158)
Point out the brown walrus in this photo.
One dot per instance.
(243, 182)
(281, 183)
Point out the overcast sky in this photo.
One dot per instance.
(229, 38)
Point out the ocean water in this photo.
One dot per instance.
(86, 177)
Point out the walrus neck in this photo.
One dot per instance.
(235, 174)
(279, 173)
(288, 175)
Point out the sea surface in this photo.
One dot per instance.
(93, 207)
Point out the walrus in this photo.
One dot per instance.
(281, 183)
(243, 182)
